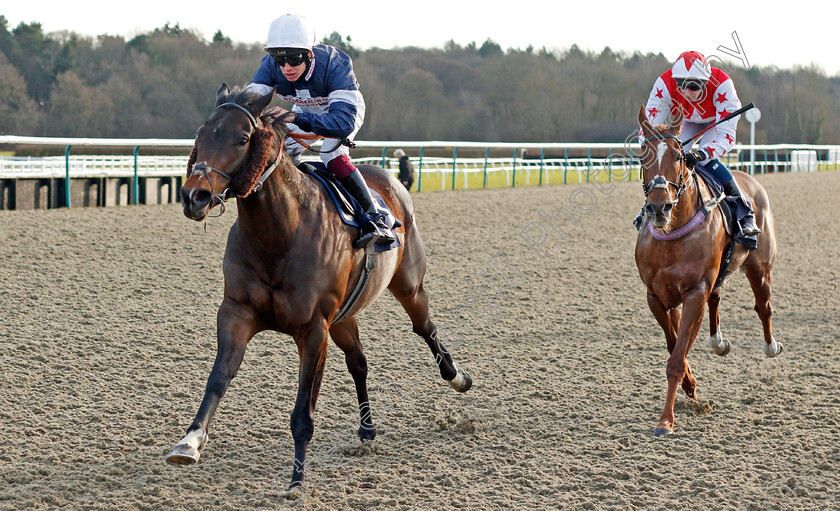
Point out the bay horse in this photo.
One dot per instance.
(683, 270)
(290, 264)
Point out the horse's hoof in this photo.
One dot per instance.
(187, 452)
(183, 454)
(367, 433)
(294, 492)
(662, 431)
(773, 349)
(462, 381)
(718, 344)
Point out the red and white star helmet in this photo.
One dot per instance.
(691, 65)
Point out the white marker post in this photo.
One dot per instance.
(753, 115)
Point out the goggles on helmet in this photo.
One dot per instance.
(283, 56)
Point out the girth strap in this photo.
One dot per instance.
(369, 264)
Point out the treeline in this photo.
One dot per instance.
(162, 84)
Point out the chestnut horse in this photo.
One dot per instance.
(290, 264)
(683, 271)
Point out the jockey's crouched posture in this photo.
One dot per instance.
(319, 81)
(698, 94)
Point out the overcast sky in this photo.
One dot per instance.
(801, 34)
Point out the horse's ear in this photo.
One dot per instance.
(642, 117)
(221, 96)
(259, 104)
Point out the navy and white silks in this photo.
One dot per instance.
(326, 100)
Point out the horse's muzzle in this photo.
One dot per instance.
(196, 203)
(660, 212)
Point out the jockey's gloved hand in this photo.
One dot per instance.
(275, 114)
(692, 158)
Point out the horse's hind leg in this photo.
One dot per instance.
(407, 287)
(235, 327)
(761, 283)
(416, 304)
(345, 334)
(715, 340)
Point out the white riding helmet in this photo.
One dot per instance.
(290, 31)
(691, 65)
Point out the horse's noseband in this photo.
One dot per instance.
(202, 169)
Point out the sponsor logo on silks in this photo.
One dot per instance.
(310, 102)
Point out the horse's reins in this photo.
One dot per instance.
(227, 193)
(300, 137)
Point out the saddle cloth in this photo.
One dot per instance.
(349, 209)
(733, 209)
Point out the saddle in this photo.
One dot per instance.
(349, 209)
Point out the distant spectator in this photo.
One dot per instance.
(406, 169)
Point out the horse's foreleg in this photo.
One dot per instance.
(694, 306)
(235, 325)
(312, 349)
(761, 282)
(346, 335)
(715, 340)
(669, 320)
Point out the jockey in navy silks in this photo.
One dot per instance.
(698, 95)
(319, 81)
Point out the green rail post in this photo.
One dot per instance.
(486, 153)
(764, 163)
(542, 161)
(454, 159)
(513, 181)
(136, 176)
(384, 156)
(566, 166)
(67, 176)
(787, 158)
(420, 170)
(589, 164)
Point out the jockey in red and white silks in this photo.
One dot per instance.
(715, 98)
(695, 94)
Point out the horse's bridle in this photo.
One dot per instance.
(659, 181)
(204, 169)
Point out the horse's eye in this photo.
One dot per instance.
(243, 140)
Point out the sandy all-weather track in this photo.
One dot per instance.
(108, 336)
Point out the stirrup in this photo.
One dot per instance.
(366, 239)
(748, 226)
(374, 232)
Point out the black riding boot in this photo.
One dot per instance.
(375, 231)
(748, 226)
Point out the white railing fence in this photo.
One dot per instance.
(527, 163)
